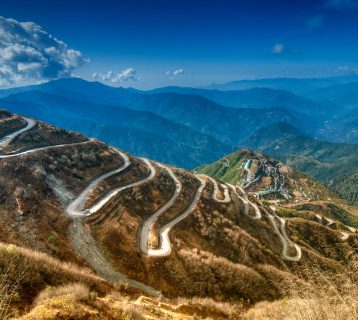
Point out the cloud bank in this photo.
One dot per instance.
(126, 75)
(28, 54)
(174, 73)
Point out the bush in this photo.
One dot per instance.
(78, 290)
(133, 312)
(209, 307)
(329, 297)
(8, 287)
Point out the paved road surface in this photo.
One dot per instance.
(281, 232)
(7, 139)
(215, 193)
(147, 225)
(165, 246)
(247, 204)
(76, 207)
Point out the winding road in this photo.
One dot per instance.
(165, 246)
(288, 243)
(344, 235)
(164, 231)
(76, 207)
(30, 123)
(86, 245)
(280, 231)
(81, 238)
(57, 146)
(147, 224)
(247, 204)
(226, 199)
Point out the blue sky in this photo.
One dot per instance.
(150, 43)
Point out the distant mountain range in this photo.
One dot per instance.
(255, 98)
(143, 133)
(188, 127)
(187, 120)
(299, 86)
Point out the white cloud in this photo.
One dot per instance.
(108, 76)
(278, 48)
(126, 75)
(174, 73)
(28, 54)
(342, 4)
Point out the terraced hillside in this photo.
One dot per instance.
(158, 230)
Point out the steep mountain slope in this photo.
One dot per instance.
(334, 164)
(154, 228)
(140, 132)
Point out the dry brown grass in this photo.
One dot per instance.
(208, 307)
(329, 297)
(25, 273)
(218, 277)
(133, 312)
(8, 287)
(37, 259)
(80, 292)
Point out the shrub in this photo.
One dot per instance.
(8, 287)
(78, 290)
(52, 239)
(133, 312)
(329, 297)
(209, 307)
